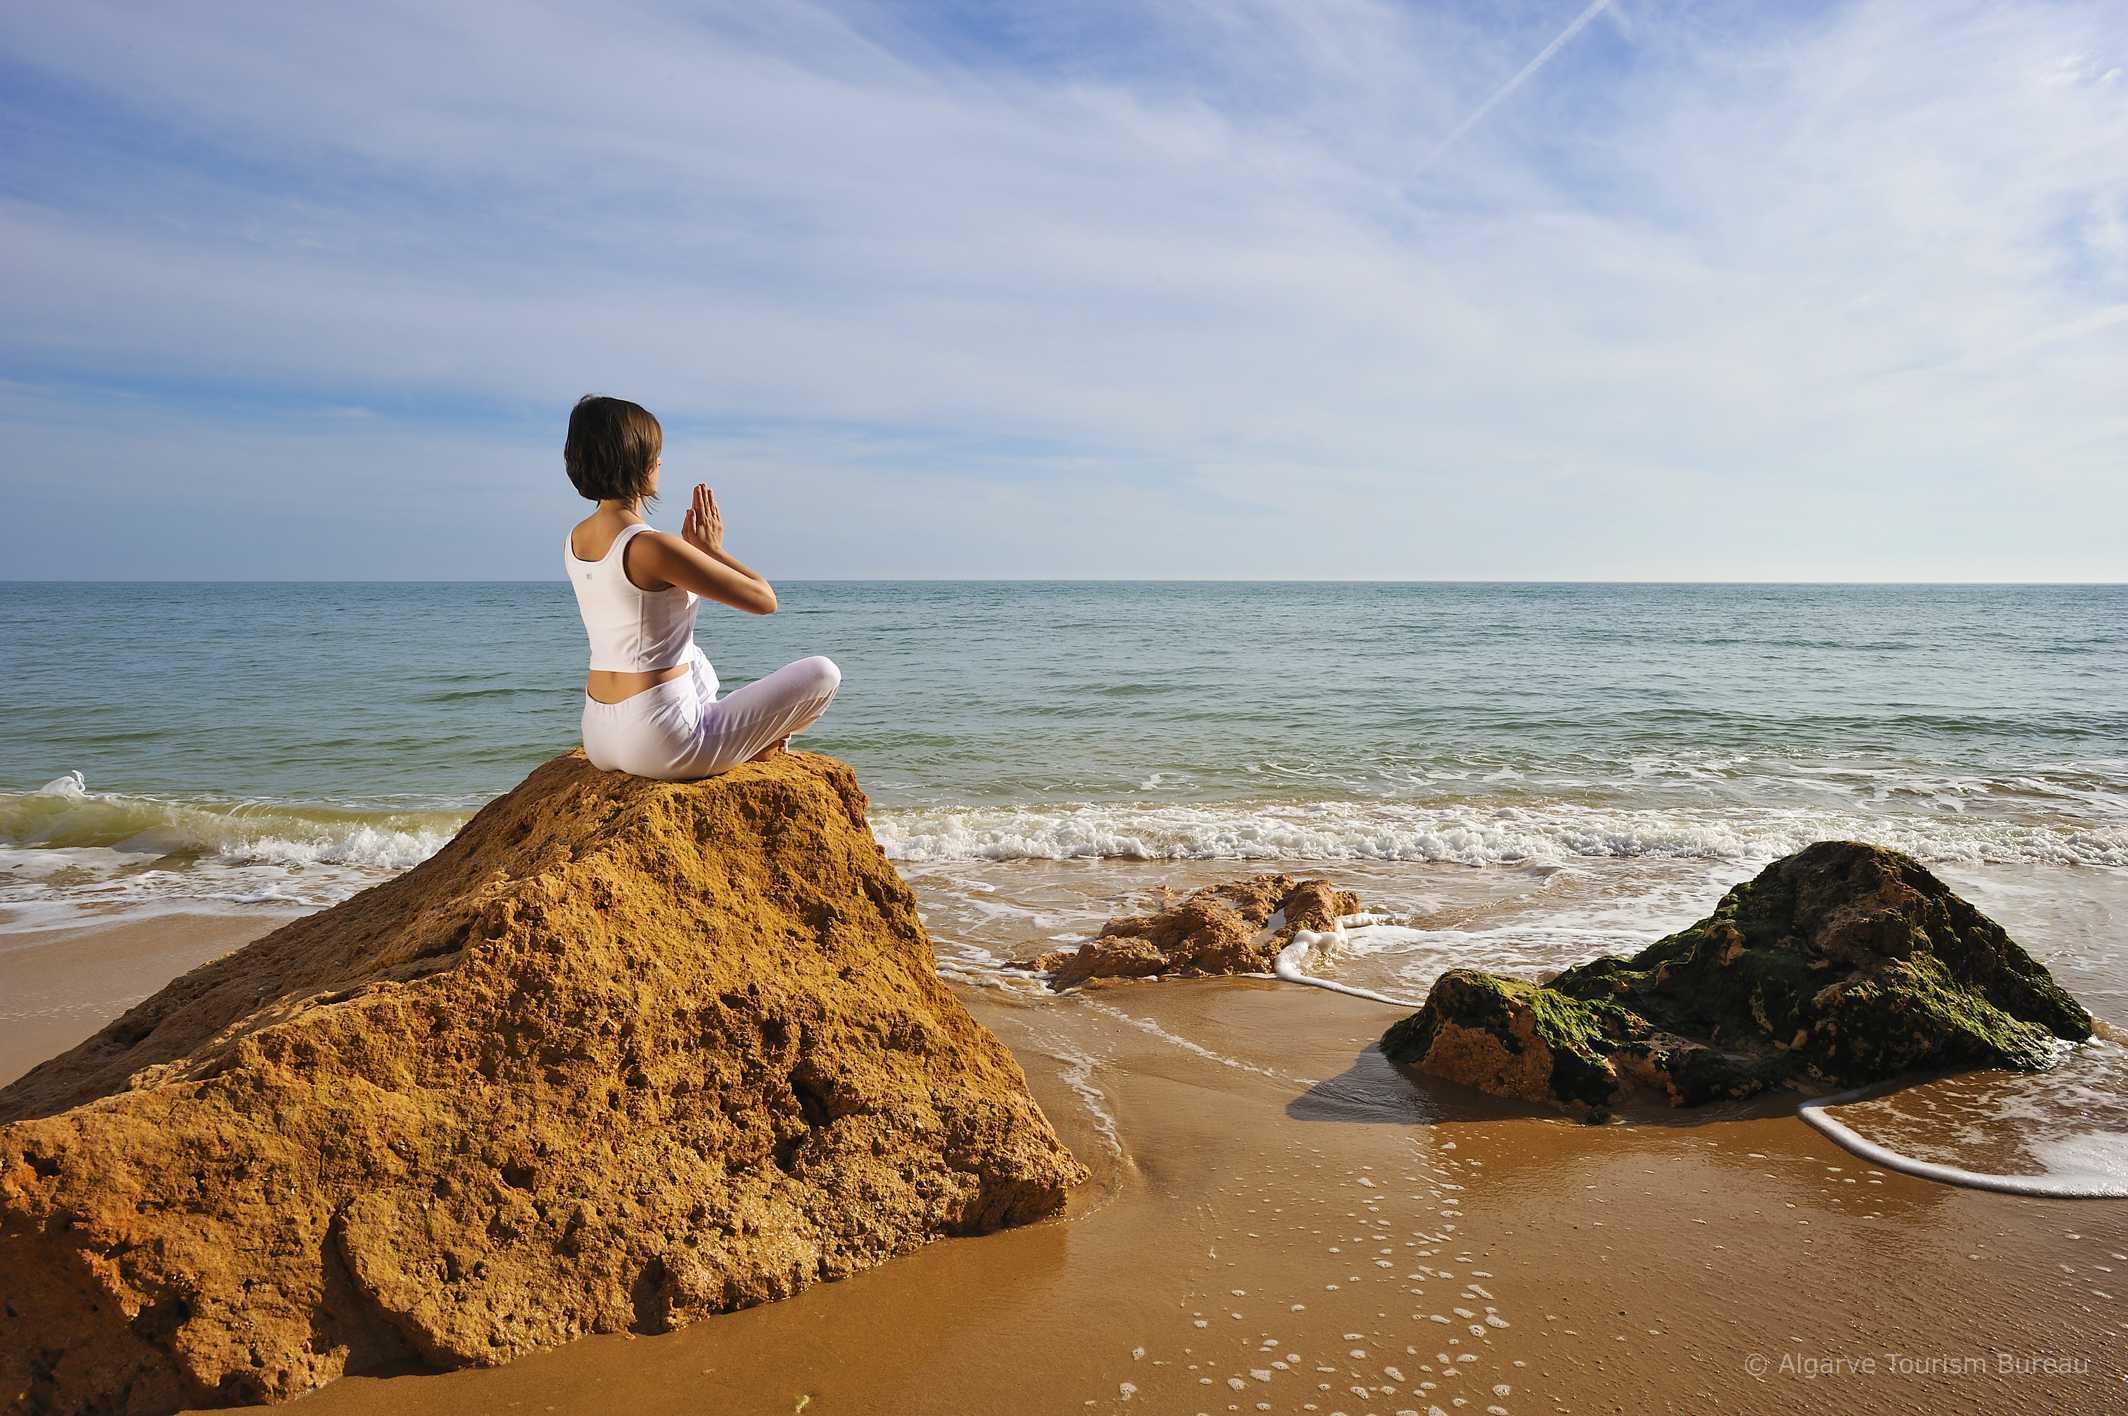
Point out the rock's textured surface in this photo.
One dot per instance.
(624, 1053)
(1842, 964)
(1238, 927)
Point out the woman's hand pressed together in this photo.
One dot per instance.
(703, 525)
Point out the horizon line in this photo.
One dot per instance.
(1073, 580)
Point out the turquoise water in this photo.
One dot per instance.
(1519, 775)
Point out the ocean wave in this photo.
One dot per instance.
(271, 833)
(1388, 831)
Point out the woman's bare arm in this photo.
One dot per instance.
(696, 560)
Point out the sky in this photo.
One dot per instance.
(1646, 290)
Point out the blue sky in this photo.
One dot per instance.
(1198, 289)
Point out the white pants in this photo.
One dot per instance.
(680, 729)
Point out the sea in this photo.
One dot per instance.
(1515, 776)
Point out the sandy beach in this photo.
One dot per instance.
(59, 985)
(1279, 1221)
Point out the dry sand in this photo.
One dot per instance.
(1278, 1222)
(57, 986)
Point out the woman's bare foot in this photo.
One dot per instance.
(774, 749)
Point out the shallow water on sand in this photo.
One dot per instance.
(1535, 920)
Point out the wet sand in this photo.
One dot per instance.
(1280, 1222)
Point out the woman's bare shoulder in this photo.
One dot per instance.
(591, 538)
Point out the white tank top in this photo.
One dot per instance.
(632, 631)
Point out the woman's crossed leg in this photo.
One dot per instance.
(747, 722)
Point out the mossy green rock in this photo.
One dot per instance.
(1843, 964)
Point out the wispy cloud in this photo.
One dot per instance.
(1100, 289)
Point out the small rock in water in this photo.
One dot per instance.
(1236, 927)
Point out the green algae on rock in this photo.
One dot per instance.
(1843, 964)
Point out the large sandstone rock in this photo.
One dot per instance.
(1843, 964)
(1237, 927)
(624, 1053)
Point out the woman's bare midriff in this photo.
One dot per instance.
(611, 686)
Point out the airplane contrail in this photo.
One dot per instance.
(1477, 115)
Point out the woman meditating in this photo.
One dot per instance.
(650, 700)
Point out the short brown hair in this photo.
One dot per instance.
(612, 446)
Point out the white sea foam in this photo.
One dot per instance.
(977, 967)
(1310, 942)
(2089, 1168)
(379, 848)
(1396, 831)
(1078, 1070)
(64, 816)
(58, 890)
